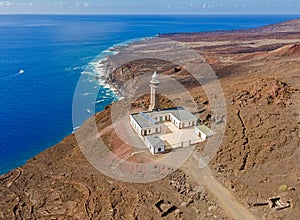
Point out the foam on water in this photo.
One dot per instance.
(55, 51)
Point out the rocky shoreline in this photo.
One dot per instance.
(257, 160)
(106, 67)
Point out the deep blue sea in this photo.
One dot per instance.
(53, 51)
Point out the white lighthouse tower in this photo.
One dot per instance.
(154, 99)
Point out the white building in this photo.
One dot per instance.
(144, 125)
(148, 124)
(155, 144)
(203, 132)
(182, 118)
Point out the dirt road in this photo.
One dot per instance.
(204, 176)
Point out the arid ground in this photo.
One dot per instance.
(259, 71)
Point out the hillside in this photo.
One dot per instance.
(258, 158)
(287, 26)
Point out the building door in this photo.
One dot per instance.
(161, 118)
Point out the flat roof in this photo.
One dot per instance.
(183, 115)
(206, 130)
(155, 141)
(144, 122)
(180, 113)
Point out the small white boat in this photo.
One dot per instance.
(21, 71)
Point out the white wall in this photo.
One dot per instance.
(193, 142)
(202, 135)
(135, 125)
(184, 124)
(175, 121)
(139, 130)
(190, 123)
(151, 130)
(178, 145)
(156, 150)
(150, 147)
(164, 117)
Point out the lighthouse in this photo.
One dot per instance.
(154, 99)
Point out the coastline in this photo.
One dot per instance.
(97, 84)
(104, 67)
(25, 143)
(62, 167)
(20, 140)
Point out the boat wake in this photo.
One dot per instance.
(20, 72)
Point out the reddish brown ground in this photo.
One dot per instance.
(259, 71)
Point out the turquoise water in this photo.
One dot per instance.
(54, 50)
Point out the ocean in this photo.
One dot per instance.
(43, 56)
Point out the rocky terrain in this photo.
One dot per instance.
(259, 71)
(261, 145)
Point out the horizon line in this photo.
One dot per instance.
(29, 13)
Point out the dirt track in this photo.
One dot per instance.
(204, 177)
(259, 153)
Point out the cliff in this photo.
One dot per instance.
(259, 73)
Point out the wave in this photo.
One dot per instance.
(86, 73)
(75, 129)
(98, 68)
(111, 51)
